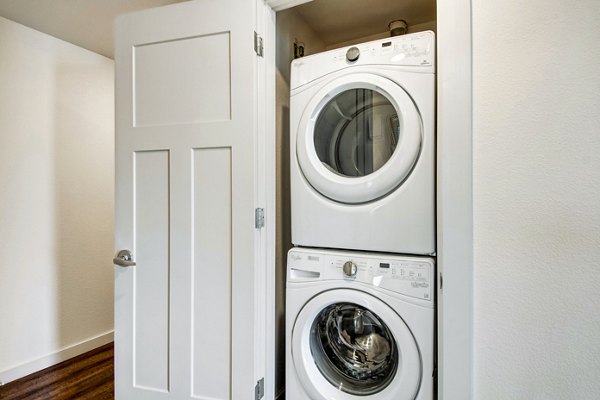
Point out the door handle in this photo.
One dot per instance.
(124, 258)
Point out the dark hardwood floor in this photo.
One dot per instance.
(89, 376)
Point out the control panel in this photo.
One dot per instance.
(410, 276)
(415, 51)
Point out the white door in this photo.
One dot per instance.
(350, 345)
(187, 185)
(359, 137)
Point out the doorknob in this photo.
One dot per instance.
(124, 258)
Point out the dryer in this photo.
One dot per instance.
(362, 164)
(359, 326)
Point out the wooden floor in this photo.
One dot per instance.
(85, 377)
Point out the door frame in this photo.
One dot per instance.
(454, 195)
(455, 199)
(266, 197)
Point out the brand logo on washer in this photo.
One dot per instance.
(418, 285)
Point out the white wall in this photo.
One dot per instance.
(537, 199)
(425, 26)
(290, 26)
(56, 199)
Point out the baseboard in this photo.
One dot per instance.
(51, 359)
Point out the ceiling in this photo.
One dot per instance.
(337, 21)
(85, 23)
(89, 23)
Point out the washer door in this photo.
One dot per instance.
(359, 138)
(348, 344)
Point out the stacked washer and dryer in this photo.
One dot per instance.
(360, 311)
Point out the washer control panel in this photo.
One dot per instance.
(410, 276)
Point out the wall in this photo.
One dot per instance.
(536, 199)
(290, 26)
(56, 202)
(425, 26)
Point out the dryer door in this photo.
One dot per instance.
(359, 138)
(355, 348)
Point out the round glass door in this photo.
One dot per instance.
(354, 349)
(356, 133)
(357, 348)
(358, 138)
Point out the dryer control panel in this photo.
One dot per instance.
(414, 52)
(410, 276)
(409, 50)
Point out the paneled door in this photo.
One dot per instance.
(188, 294)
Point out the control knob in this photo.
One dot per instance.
(352, 54)
(350, 268)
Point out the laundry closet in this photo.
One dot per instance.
(315, 27)
(207, 205)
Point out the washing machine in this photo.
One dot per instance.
(359, 326)
(362, 139)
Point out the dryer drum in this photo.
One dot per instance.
(357, 132)
(354, 349)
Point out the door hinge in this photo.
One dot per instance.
(259, 389)
(258, 44)
(259, 218)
